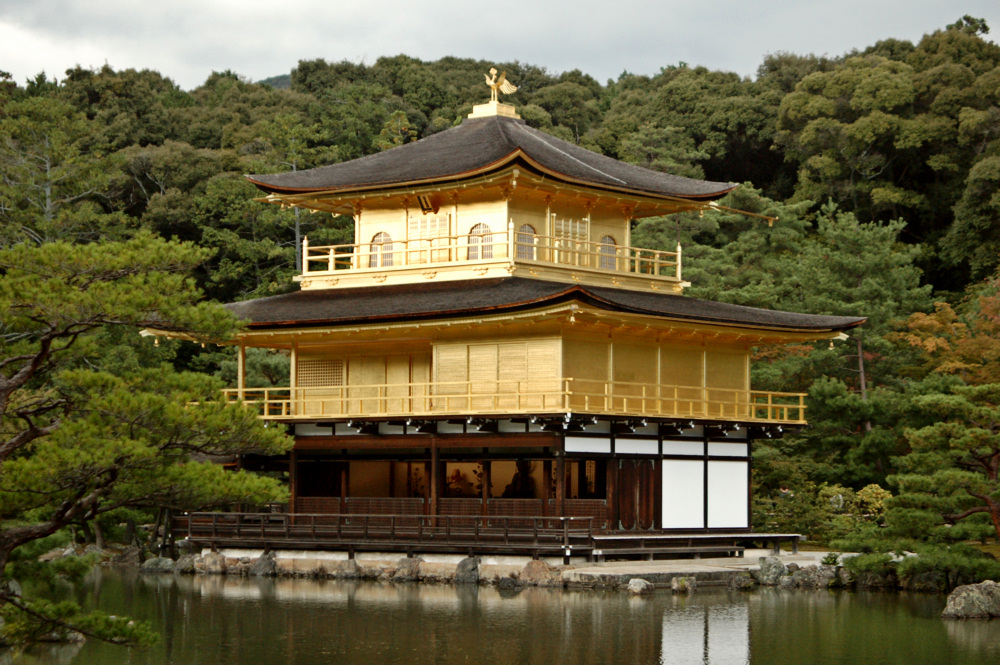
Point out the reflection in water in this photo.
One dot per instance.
(707, 634)
(217, 619)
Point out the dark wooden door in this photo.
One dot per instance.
(637, 484)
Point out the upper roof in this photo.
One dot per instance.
(410, 302)
(482, 145)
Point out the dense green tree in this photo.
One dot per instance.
(570, 105)
(51, 174)
(951, 474)
(77, 443)
(396, 131)
(253, 244)
(127, 107)
(974, 236)
(665, 149)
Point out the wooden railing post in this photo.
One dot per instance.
(305, 255)
(511, 253)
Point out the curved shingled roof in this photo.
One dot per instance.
(410, 302)
(481, 145)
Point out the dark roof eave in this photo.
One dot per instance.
(607, 299)
(498, 165)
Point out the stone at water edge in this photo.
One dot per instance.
(683, 584)
(130, 555)
(639, 587)
(741, 582)
(974, 601)
(507, 583)
(407, 569)
(815, 577)
(186, 564)
(212, 563)
(157, 565)
(263, 566)
(771, 571)
(467, 571)
(538, 573)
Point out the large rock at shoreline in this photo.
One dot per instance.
(158, 564)
(883, 579)
(130, 555)
(263, 566)
(467, 571)
(974, 601)
(815, 577)
(741, 582)
(683, 584)
(212, 563)
(538, 573)
(407, 570)
(639, 587)
(186, 564)
(771, 571)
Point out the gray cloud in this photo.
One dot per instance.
(186, 39)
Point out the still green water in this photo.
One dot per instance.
(219, 620)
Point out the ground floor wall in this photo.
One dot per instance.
(626, 476)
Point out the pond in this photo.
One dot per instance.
(226, 620)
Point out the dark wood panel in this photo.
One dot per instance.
(645, 486)
(627, 496)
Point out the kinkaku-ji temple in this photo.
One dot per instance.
(492, 367)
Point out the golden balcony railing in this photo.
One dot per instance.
(511, 247)
(554, 396)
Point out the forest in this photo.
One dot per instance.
(122, 194)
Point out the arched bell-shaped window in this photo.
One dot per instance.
(381, 251)
(480, 242)
(526, 242)
(608, 251)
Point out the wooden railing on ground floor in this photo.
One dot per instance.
(594, 509)
(534, 535)
(530, 535)
(478, 398)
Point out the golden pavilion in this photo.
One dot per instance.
(492, 366)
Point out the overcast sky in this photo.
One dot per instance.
(186, 40)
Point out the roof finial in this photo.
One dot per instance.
(501, 84)
(494, 107)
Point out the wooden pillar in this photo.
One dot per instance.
(392, 479)
(435, 477)
(612, 494)
(547, 494)
(427, 488)
(345, 480)
(658, 493)
(293, 473)
(560, 484)
(293, 380)
(241, 370)
(486, 479)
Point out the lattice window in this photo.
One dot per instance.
(425, 227)
(320, 372)
(570, 229)
(609, 251)
(526, 242)
(381, 251)
(480, 238)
